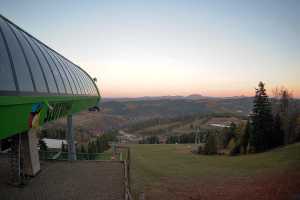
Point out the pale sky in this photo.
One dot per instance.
(152, 48)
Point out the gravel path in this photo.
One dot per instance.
(60, 180)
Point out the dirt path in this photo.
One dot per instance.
(281, 185)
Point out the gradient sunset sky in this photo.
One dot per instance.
(153, 48)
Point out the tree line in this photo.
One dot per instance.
(181, 139)
(273, 122)
(150, 140)
(99, 144)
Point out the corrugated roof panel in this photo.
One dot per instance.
(23, 76)
(63, 72)
(6, 75)
(48, 75)
(85, 79)
(28, 65)
(54, 70)
(37, 74)
(69, 65)
(67, 72)
(83, 89)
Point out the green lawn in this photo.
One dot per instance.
(149, 163)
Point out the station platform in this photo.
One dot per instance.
(60, 180)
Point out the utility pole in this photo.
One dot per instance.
(197, 136)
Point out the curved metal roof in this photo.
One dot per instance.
(29, 67)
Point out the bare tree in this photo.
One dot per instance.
(284, 105)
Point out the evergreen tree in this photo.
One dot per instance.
(98, 145)
(229, 133)
(63, 149)
(245, 137)
(210, 146)
(262, 121)
(278, 133)
(82, 149)
(90, 148)
(94, 147)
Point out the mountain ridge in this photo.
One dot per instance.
(169, 97)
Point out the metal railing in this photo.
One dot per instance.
(58, 155)
(126, 161)
(122, 154)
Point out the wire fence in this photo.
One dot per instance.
(58, 155)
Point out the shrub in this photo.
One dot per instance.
(210, 147)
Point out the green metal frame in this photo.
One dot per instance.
(22, 110)
(15, 110)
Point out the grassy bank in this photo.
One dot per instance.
(150, 163)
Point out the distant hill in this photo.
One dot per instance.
(119, 113)
(145, 98)
(169, 97)
(195, 97)
(175, 112)
(161, 107)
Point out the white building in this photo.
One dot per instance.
(54, 144)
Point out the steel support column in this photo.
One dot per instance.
(71, 140)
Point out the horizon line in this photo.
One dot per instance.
(203, 96)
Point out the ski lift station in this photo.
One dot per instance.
(37, 85)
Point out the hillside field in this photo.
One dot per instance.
(171, 171)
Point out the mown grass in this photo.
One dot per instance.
(150, 163)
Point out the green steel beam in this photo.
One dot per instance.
(19, 113)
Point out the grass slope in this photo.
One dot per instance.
(151, 163)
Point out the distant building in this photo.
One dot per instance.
(55, 144)
(220, 125)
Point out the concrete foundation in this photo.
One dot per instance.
(29, 152)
